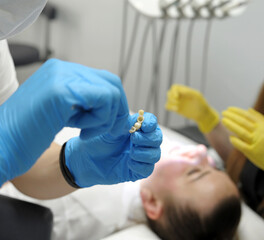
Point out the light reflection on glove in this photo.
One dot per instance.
(59, 94)
(191, 104)
(248, 127)
(110, 159)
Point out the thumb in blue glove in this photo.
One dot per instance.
(59, 94)
(108, 159)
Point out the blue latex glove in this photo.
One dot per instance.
(115, 158)
(59, 94)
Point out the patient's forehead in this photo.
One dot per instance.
(206, 192)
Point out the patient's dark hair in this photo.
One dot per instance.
(184, 223)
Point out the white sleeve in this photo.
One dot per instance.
(8, 79)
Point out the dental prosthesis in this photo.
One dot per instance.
(139, 122)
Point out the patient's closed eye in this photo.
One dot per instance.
(193, 170)
(195, 174)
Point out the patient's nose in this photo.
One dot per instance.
(199, 155)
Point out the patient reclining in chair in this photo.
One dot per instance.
(186, 197)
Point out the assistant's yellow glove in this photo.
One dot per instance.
(248, 127)
(191, 104)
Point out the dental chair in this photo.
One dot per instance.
(24, 220)
(25, 54)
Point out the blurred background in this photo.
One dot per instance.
(89, 32)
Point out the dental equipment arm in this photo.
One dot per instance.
(59, 94)
(248, 129)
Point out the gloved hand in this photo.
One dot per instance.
(115, 158)
(59, 94)
(191, 104)
(248, 127)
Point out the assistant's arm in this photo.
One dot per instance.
(191, 104)
(44, 180)
(218, 138)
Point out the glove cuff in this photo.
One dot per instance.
(64, 170)
(209, 122)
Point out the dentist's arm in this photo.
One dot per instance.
(44, 180)
(59, 94)
(105, 152)
(107, 159)
(115, 157)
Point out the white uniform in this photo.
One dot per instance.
(91, 213)
(8, 79)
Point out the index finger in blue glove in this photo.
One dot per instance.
(149, 139)
(145, 155)
(149, 124)
(115, 80)
(121, 122)
(112, 78)
(140, 170)
(95, 106)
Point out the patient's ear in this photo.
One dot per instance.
(152, 205)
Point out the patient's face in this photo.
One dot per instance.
(187, 175)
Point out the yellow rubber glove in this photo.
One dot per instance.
(248, 126)
(191, 104)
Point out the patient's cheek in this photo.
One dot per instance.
(172, 167)
(211, 162)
